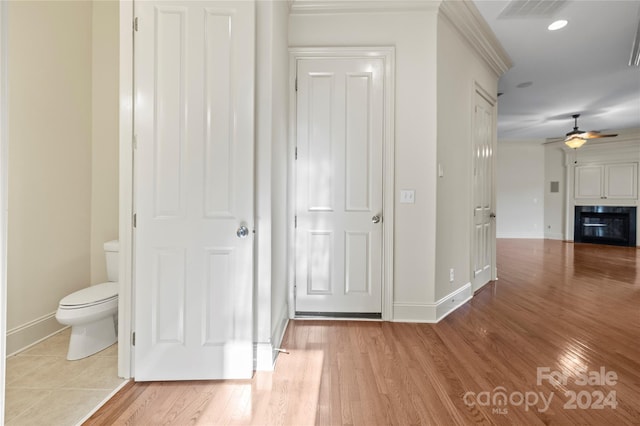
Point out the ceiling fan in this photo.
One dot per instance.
(576, 138)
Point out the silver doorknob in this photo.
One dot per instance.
(242, 232)
(376, 219)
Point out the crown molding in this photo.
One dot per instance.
(303, 7)
(466, 18)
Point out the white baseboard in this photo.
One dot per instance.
(279, 330)
(35, 331)
(432, 312)
(267, 352)
(521, 235)
(475, 289)
(264, 356)
(553, 236)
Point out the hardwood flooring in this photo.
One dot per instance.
(570, 310)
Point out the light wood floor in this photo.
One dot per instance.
(569, 308)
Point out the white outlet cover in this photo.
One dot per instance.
(407, 196)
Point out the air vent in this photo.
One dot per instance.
(532, 9)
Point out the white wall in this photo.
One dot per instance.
(520, 182)
(459, 70)
(50, 161)
(413, 34)
(554, 203)
(104, 133)
(279, 146)
(271, 173)
(520, 189)
(63, 166)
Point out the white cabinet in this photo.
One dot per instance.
(617, 181)
(621, 181)
(589, 181)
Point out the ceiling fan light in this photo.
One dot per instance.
(575, 143)
(559, 24)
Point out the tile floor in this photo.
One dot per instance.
(43, 388)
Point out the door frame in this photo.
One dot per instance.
(479, 90)
(4, 177)
(125, 232)
(387, 54)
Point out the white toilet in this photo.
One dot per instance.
(92, 311)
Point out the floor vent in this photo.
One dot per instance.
(338, 315)
(532, 9)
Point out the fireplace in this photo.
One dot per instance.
(605, 225)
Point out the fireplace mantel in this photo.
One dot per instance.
(611, 173)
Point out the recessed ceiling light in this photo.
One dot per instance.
(558, 25)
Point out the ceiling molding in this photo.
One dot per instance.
(302, 7)
(466, 18)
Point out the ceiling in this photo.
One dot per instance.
(580, 69)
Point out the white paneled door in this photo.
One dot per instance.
(340, 108)
(484, 230)
(194, 73)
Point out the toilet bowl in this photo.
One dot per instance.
(92, 312)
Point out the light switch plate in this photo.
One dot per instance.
(407, 196)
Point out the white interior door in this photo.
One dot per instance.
(194, 73)
(484, 231)
(340, 115)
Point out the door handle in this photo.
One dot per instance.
(242, 232)
(376, 219)
(492, 215)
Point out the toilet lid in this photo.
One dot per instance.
(91, 294)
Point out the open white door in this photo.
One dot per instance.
(194, 94)
(484, 230)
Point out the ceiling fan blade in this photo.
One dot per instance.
(590, 135)
(575, 136)
(576, 133)
(597, 135)
(553, 140)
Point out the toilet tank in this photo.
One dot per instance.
(111, 249)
